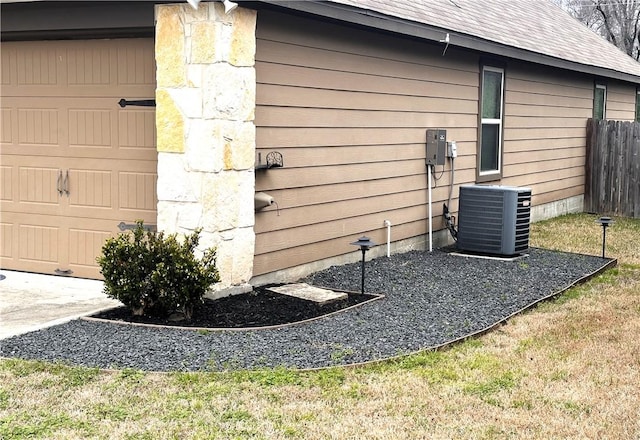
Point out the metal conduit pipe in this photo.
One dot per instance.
(430, 209)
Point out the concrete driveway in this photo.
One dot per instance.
(30, 301)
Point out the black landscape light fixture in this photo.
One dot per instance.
(365, 243)
(605, 222)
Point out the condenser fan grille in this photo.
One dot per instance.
(494, 219)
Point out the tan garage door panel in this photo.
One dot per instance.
(74, 163)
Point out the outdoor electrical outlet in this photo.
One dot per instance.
(452, 149)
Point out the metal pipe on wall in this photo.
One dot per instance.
(387, 223)
(430, 211)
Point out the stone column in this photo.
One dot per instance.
(205, 106)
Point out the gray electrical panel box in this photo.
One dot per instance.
(436, 146)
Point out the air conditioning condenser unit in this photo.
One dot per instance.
(494, 219)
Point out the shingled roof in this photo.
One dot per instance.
(531, 30)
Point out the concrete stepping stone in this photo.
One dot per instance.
(309, 293)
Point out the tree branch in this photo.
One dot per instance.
(610, 34)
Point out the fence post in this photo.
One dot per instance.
(589, 189)
(634, 172)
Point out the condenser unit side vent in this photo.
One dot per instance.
(494, 219)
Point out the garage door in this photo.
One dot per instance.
(75, 164)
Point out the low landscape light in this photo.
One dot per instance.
(365, 243)
(605, 222)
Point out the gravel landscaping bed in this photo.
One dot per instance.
(431, 300)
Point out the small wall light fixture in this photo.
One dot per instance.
(365, 243)
(605, 222)
(228, 5)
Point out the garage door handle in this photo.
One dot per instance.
(131, 226)
(59, 186)
(137, 102)
(66, 183)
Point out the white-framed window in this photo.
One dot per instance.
(638, 104)
(491, 118)
(599, 101)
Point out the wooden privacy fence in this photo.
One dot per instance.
(612, 181)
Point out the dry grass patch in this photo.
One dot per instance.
(568, 369)
(582, 234)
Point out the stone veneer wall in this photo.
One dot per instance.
(205, 106)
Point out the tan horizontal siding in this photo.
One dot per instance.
(357, 225)
(318, 176)
(542, 184)
(270, 95)
(290, 257)
(538, 122)
(559, 194)
(297, 157)
(313, 195)
(526, 98)
(519, 133)
(339, 39)
(326, 156)
(552, 78)
(338, 210)
(564, 166)
(543, 156)
(349, 112)
(542, 177)
(548, 85)
(283, 137)
(341, 206)
(621, 101)
(346, 81)
(340, 57)
(550, 111)
(548, 185)
(533, 145)
(339, 118)
(545, 131)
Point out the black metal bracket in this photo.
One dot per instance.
(274, 160)
(137, 102)
(131, 226)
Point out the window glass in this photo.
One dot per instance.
(489, 161)
(599, 99)
(638, 105)
(492, 95)
(490, 147)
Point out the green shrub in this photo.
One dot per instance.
(157, 275)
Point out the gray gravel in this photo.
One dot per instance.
(431, 299)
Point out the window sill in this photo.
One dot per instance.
(493, 177)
